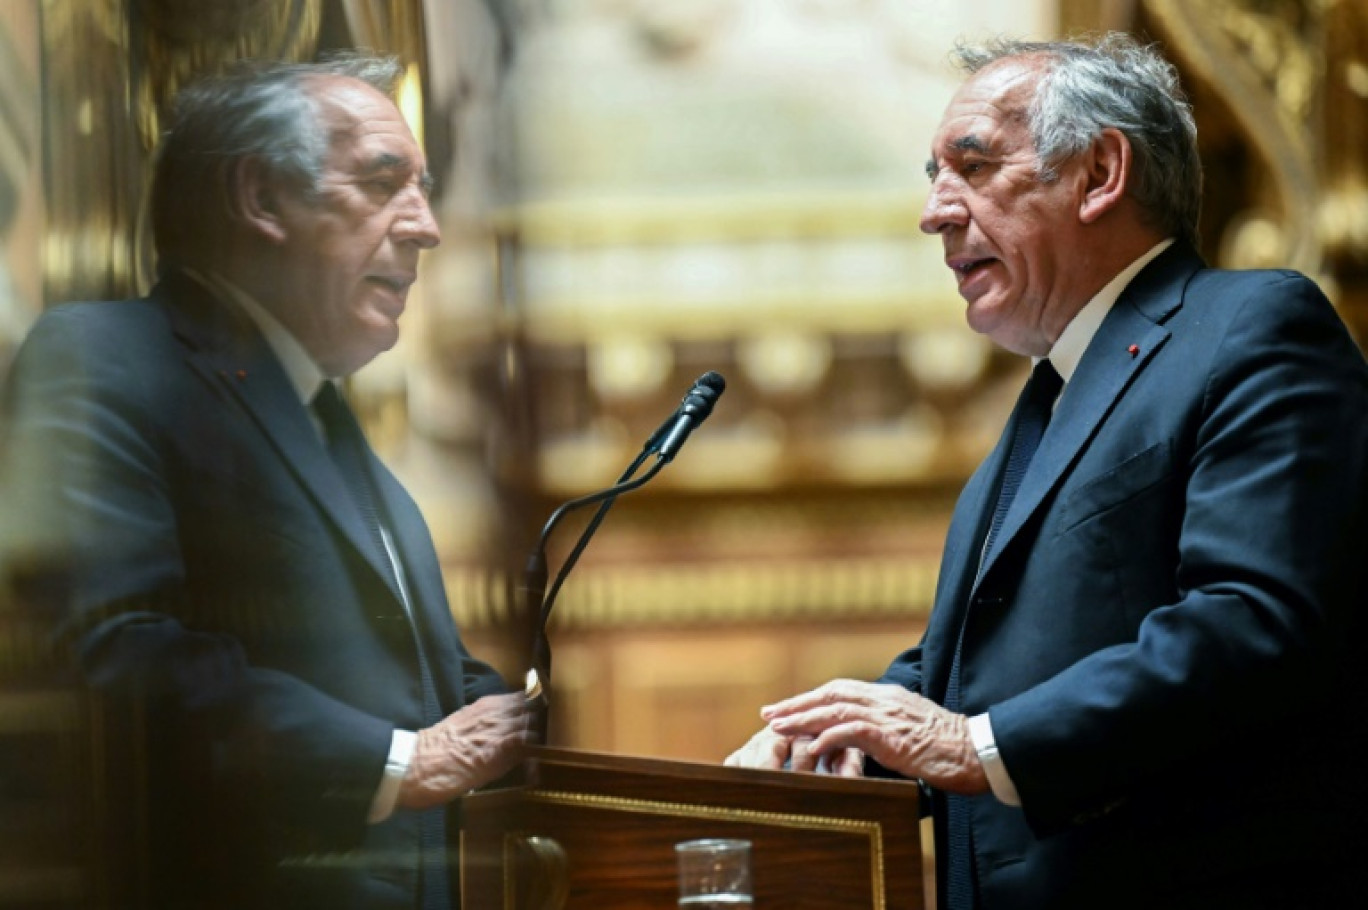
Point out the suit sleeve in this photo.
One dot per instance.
(1268, 564)
(905, 670)
(84, 457)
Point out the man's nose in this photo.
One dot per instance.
(944, 209)
(417, 225)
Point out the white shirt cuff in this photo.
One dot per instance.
(981, 732)
(382, 804)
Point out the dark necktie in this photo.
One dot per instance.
(1033, 416)
(351, 453)
(1037, 404)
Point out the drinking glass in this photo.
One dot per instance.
(714, 874)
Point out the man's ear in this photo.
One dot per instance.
(1107, 167)
(254, 199)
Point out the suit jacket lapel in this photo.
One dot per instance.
(959, 564)
(1108, 367)
(226, 348)
(427, 596)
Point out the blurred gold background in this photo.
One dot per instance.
(633, 192)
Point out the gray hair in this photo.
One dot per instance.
(260, 110)
(1112, 82)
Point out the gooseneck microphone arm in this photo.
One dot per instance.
(536, 600)
(604, 496)
(589, 530)
(664, 443)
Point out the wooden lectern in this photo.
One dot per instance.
(597, 832)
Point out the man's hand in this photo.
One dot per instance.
(769, 750)
(900, 730)
(477, 744)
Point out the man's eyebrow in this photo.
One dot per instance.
(969, 143)
(388, 161)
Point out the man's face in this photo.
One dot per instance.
(1012, 240)
(350, 252)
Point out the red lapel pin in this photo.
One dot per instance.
(1133, 350)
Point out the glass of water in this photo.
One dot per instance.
(714, 874)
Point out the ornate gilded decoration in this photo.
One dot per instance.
(394, 28)
(18, 128)
(19, 159)
(1263, 59)
(92, 159)
(1282, 107)
(653, 595)
(175, 40)
(1343, 223)
(112, 66)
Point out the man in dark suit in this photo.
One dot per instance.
(253, 598)
(1137, 686)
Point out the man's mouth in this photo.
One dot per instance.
(963, 267)
(395, 283)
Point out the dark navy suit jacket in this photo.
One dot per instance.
(1164, 633)
(250, 653)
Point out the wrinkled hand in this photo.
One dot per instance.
(475, 745)
(769, 750)
(900, 730)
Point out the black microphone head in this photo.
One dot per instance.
(714, 381)
(700, 400)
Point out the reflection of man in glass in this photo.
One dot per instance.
(252, 595)
(1137, 684)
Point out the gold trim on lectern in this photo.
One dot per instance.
(873, 830)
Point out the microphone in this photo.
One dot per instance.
(665, 444)
(693, 410)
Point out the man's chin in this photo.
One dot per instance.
(354, 357)
(381, 343)
(991, 322)
(983, 315)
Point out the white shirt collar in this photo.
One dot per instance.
(305, 376)
(1078, 334)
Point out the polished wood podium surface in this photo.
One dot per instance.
(598, 831)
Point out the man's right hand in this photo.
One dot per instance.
(769, 750)
(475, 745)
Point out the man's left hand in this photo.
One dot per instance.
(900, 730)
